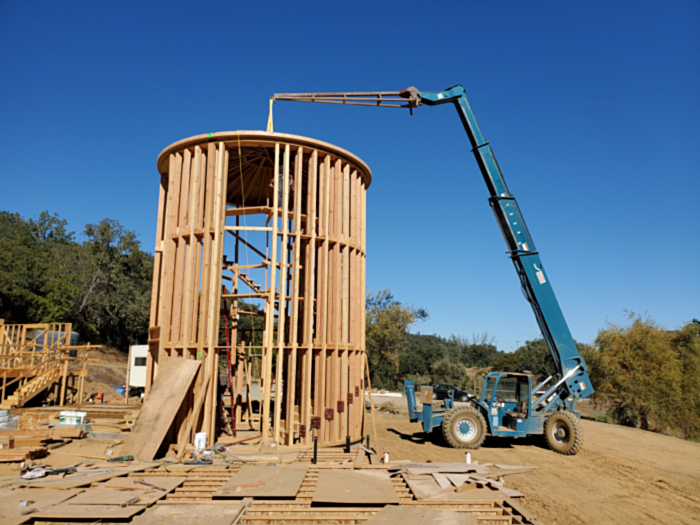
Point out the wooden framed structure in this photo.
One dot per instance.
(260, 257)
(39, 359)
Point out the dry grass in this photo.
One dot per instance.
(107, 368)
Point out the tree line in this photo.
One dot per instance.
(101, 284)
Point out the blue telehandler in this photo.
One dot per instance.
(509, 404)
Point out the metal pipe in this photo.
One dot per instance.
(552, 389)
(538, 387)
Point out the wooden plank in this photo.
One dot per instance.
(180, 252)
(393, 514)
(158, 255)
(442, 480)
(170, 247)
(65, 511)
(355, 486)
(126, 489)
(309, 294)
(322, 296)
(160, 407)
(290, 385)
(280, 481)
(82, 479)
(10, 511)
(270, 309)
(188, 514)
(281, 315)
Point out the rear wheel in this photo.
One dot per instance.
(564, 433)
(464, 428)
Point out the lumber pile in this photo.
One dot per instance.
(22, 445)
(19, 454)
(55, 433)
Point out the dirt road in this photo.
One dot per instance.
(622, 475)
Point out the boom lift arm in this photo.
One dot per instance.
(573, 383)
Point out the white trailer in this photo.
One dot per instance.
(136, 374)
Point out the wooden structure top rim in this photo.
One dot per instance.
(259, 137)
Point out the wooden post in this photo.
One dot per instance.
(63, 383)
(266, 382)
(128, 376)
(371, 403)
(281, 317)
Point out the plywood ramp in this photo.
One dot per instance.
(260, 264)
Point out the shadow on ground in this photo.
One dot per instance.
(435, 438)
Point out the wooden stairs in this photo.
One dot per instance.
(31, 388)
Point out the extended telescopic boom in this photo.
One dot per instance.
(538, 290)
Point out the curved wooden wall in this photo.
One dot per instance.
(297, 261)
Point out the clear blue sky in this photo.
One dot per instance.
(591, 108)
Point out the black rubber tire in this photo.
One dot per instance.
(564, 433)
(451, 434)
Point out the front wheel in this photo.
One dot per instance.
(564, 433)
(464, 428)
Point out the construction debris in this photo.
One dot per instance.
(338, 488)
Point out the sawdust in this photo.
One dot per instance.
(622, 475)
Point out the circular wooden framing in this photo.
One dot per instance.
(292, 212)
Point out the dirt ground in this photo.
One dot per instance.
(621, 476)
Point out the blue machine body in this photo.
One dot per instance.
(522, 410)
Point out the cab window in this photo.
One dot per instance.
(507, 389)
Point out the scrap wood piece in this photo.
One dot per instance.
(165, 514)
(445, 467)
(160, 407)
(10, 511)
(441, 480)
(392, 514)
(280, 481)
(354, 486)
(71, 433)
(423, 488)
(499, 486)
(429, 490)
(80, 479)
(115, 493)
(65, 511)
(458, 479)
(477, 494)
(360, 458)
(15, 455)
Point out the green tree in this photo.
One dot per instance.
(648, 376)
(449, 371)
(480, 351)
(387, 324)
(33, 257)
(534, 356)
(101, 286)
(112, 303)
